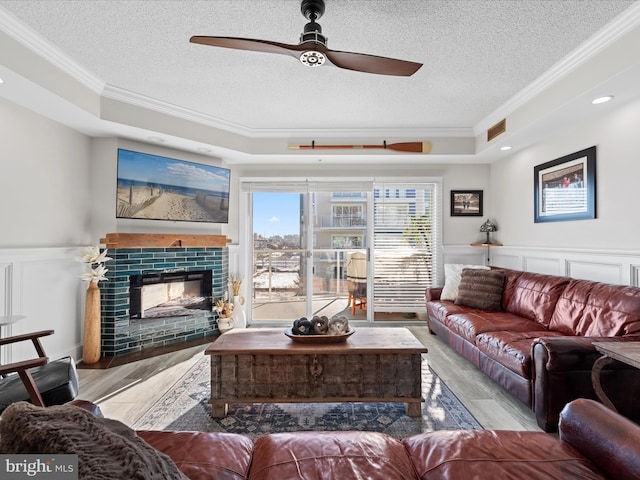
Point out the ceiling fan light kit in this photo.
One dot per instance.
(312, 50)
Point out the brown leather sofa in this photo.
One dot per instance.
(594, 443)
(539, 345)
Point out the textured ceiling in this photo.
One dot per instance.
(477, 54)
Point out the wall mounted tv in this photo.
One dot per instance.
(159, 188)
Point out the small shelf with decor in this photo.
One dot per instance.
(488, 227)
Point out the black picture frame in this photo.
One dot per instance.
(565, 188)
(466, 203)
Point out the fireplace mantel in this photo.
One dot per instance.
(162, 240)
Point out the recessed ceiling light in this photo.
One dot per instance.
(156, 139)
(604, 99)
(506, 147)
(1, 81)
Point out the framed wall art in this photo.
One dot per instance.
(152, 187)
(466, 203)
(565, 188)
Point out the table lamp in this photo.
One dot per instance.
(488, 227)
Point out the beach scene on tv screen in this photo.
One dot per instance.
(159, 188)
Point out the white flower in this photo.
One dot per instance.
(92, 255)
(95, 260)
(95, 274)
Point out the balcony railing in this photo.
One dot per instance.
(342, 222)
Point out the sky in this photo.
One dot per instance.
(155, 169)
(276, 214)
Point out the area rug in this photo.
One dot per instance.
(185, 407)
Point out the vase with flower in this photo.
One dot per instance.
(95, 260)
(239, 316)
(224, 308)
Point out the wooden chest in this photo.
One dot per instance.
(264, 366)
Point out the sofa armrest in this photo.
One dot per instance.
(432, 293)
(562, 372)
(609, 440)
(571, 352)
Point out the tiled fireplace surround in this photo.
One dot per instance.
(122, 335)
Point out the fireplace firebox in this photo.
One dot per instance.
(170, 294)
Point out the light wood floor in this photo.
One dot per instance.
(127, 391)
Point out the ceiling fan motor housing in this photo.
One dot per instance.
(312, 10)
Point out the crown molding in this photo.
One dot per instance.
(31, 39)
(142, 101)
(609, 34)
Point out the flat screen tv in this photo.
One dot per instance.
(160, 188)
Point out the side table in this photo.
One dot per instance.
(624, 352)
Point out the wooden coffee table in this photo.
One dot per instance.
(263, 365)
(623, 352)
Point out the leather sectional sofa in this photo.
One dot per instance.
(537, 343)
(594, 443)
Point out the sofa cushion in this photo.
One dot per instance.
(597, 310)
(103, 445)
(452, 274)
(511, 349)
(329, 455)
(470, 324)
(201, 455)
(481, 289)
(534, 296)
(441, 310)
(495, 454)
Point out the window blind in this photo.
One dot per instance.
(406, 223)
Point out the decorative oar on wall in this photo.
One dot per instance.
(411, 147)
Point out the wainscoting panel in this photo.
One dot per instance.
(635, 275)
(43, 284)
(601, 272)
(6, 279)
(609, 266)
(547, 266)
(617, 267)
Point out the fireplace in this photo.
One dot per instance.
(134, 319)
(170, 294)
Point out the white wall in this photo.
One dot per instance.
(606, 248)
(104, 180)
(45, 203)
(617, 138)
(44, 184)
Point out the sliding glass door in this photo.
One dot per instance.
(365, 251)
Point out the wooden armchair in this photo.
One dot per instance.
(42, 382)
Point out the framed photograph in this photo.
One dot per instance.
(152, 187)
(565, 188)
(466, 203)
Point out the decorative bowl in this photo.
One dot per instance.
(318, 339)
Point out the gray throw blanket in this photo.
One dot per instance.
(106, 449)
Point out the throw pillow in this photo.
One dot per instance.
(452, 272)
(106, 449)
(481, 289)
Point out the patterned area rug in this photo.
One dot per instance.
(185, 407)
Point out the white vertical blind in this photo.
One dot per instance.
(406, 219)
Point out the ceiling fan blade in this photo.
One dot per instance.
(361, 62)
(248, 44)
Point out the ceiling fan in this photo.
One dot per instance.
(312, 49)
